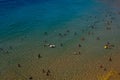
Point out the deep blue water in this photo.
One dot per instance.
(9, 5)
(21, 16)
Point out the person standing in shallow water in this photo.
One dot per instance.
(79, 45)
(83, 39)
(75, 33)
(48, 73)
(19, 65)
(30, 78)
(61, 44)
(39, 56)
(45, 33)
(110, 59)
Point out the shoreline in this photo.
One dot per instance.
(32, 60)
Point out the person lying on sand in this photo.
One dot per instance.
(108, 46)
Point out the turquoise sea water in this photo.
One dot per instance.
(19, 17)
